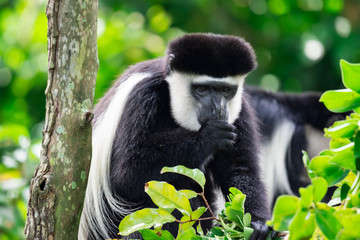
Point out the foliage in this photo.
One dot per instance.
(19, 157)
(338, 166)
(233, 222)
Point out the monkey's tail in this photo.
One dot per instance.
(99, 201)
(95, 222)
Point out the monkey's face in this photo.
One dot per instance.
(212, 100)
(196, 99)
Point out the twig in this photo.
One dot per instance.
(194, 220)
(208, 206)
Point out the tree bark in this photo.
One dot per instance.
(58, 186)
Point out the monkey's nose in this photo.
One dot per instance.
(219, 113)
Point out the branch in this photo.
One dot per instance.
(208, 206)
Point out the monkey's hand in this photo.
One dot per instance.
(217, 134)
(261, 230)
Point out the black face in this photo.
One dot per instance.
(212, 98)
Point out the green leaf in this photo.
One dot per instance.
(158, 227)
(320, 188)
(350, 220)
(355, 200)
(235, 216)
(238, 202)
(248, 232)
(354, 116)
(148, 234)
(341, 213)
(235, 211)
(345, 130)
(216, 231)
(303, 225)
(194, 216)
(306, 196)
(165, 195)
(284, 211)
(188, 234)
(345, 160)
(340, 100)
(233, 192)
(305, 158)
(189, 194)
(350, 75)
(339, 142)
(344, 191)
(332, 173)
(169, 210)
(327, 223)
(357, 110)
(324, 206)
(194, 174)
(348, 148)
(357, 151)
(247, 219)
(336, 194)
(199, 230)
(143, 219)
(357, 164)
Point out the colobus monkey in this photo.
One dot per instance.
(289, 123)
(187, 108)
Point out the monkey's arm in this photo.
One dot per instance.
(240, 169)
(244, 176)
(174, 147)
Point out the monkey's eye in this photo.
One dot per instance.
(202, 90)
(227, 90)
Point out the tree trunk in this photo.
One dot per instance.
(58, 186)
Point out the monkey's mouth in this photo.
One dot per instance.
(203, 120)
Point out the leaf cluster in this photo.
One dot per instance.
(232, 223)
(233, 220)
(306, 216)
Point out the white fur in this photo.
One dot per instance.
(205, 79)
(94, 215)
(183, 104)
(272, 157)
(219, 202)
(316, 141)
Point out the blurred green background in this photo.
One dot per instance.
(298, 44)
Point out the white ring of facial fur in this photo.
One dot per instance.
(183, 104)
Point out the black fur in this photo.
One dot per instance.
(148, 138)
(213, 55)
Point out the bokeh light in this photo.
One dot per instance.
(314, 49)
(270, 83)
(342, 26)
